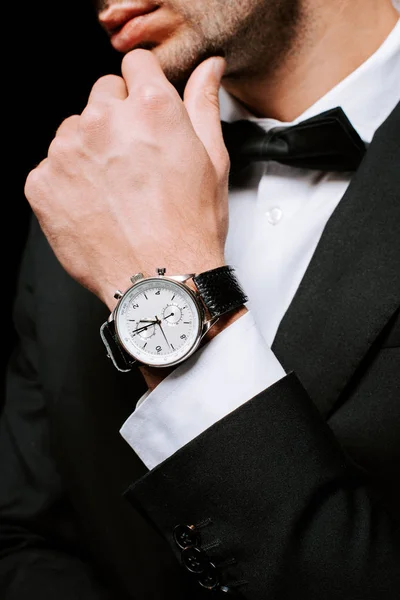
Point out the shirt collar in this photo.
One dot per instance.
(368, 95)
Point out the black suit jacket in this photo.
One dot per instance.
(294, 494)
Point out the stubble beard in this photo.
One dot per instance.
(254, 45)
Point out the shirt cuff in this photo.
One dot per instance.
(233, 367)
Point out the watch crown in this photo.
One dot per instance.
(118, 295)
(136, 277)
(161, 271)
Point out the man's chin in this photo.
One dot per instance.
(177, 71)
(176, 64)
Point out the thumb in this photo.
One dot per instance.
(201, 99)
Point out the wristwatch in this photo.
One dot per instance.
(160, 321)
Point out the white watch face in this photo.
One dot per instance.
(158, 322)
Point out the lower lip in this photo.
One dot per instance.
(133, 32)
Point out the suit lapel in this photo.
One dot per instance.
(352, 285)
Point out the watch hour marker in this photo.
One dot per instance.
(186, 322)
(172, 346)
(172, 297)
(144, 346)
(145, 295)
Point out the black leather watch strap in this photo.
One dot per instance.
(220, 290)
(121, 359)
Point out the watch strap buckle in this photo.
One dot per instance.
(122, 360)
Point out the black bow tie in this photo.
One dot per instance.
(327, 142)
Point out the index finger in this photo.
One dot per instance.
(140, 67)
(108, 87)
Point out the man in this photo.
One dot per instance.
(264, 462)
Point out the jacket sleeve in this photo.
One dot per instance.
(38, 556)
(267, 504)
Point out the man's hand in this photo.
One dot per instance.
(138, 180)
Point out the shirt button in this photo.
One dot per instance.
(274, 215)
(186, 536)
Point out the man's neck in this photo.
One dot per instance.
(340, 37)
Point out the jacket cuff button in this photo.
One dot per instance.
(209, 578)
(195, 560)
(186, 536)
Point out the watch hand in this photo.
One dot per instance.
(168, 316)
(141, 329)
(162, 330)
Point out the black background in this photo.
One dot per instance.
(53, 54)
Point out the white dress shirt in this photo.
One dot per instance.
(275, 224)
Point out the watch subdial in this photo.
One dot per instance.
(172, 314)
(144, 330)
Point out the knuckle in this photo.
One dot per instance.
(155, 97)
(225, 159)
(95, 116)
(223, 165)
(67, 121)
(59, 147)
(33, 184)
(107, 80)
(67, 124)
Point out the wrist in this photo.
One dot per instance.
(110, 292)
(157, 333)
